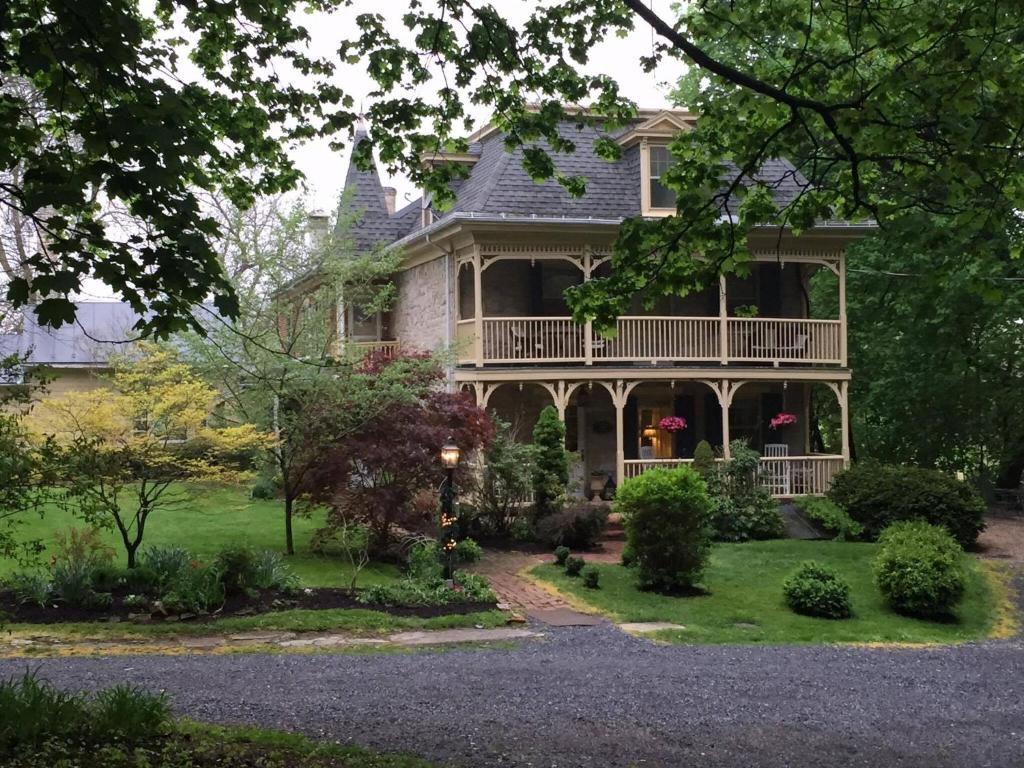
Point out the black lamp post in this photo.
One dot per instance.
(450, 460)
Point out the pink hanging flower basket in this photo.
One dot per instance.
(782, 420)
(672, 423)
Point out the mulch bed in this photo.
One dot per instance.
(266, 601)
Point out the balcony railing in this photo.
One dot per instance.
(784, 477)
(360, 349)
(653, 340)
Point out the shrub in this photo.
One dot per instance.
(551, 464)
(704, 458)
(829, 516)
(141, 578)
(265, 487)
(876, 495)
(468, 551)
(574, 565)
(919, 569)
(579, 526)
(107, 577)
(561, 554)
(135, 602)
(270, 571)
(628, 556)
(72, 583)
(29, 587)
(237, 567)
(816, 590)
(506, 480)
(165, 563)
(666, 514)
(741, 508)
(591, 577)
(424, 562)
(197, 589)
(471, 588)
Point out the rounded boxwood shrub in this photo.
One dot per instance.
(561, 554)
(574, 565)
(876, 495)
(816, 590)
(666, 513)
(468, 551)
(919, 569)
(591, 577)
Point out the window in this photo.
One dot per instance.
(660, 159)
(363, 326)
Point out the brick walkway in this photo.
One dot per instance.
(504, 571)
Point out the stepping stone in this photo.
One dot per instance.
(439, 637)
(642, 627)
(565, 617)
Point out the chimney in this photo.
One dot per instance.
(317, 226)
(389, 199)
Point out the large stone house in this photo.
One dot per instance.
(486, 279)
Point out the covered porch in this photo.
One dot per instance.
(617, 427)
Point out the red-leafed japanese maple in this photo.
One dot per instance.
(378, 474)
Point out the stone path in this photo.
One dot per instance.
(254, 641)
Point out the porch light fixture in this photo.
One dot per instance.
(650, 432)
(450, 453)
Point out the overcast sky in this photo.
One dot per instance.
(619, 57)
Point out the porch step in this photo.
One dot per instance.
(797, 526)
(614, 532)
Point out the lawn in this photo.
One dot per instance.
(745, 604)
(216, 517)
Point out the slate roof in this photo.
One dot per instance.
(498, 185)
(100, 331)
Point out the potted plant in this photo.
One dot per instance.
(783, 419)
(672, 424)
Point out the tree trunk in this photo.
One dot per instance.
(288, 538)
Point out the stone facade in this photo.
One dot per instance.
(420, 317)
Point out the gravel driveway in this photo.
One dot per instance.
(596, 697)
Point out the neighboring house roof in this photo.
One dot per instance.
(499, 186)
(100, 331)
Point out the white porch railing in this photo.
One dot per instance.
(653, 340)
(360, 349)
(759, 339)
(657, 339)
(784, 477)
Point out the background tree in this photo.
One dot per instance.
(122, 454)
(507, 478)
(281, 364)
(939, 364)
(550, 463)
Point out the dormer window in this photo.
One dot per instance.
(660, 159)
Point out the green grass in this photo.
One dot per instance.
(215, 517)
(745, 604)
(356, 621)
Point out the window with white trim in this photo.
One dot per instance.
(659, 161)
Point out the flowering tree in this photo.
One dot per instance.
(386, 473)
(121, 454)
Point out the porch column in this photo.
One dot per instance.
(844, 409)
(619, 401)
(842, 310)
(561, 401)
(723, 320)
(588, 327)
(725, 400)
(478, 308)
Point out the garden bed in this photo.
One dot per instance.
(259, 602)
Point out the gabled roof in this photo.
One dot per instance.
(499, 186)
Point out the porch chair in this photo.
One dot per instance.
(772, 349)
(521, 342)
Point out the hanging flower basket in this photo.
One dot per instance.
(672, 423)
(782, 420)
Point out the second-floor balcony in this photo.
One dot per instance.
(653, 340)
(512, 311)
